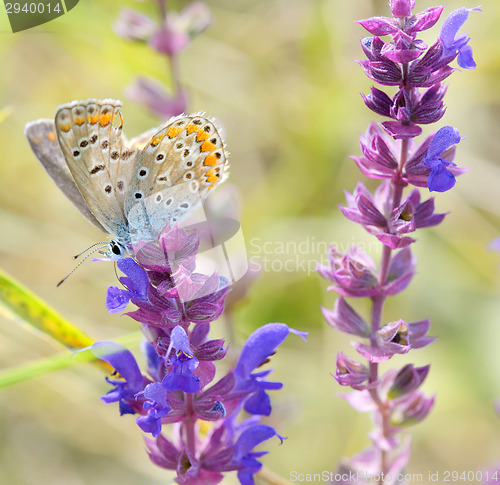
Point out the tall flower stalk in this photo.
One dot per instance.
(392, 152)
(168, 36)
(176, 306)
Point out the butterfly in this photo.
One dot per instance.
(129, 190)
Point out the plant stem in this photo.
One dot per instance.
(378, 306)
(189, 424)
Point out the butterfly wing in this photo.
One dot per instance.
(42, 139)
(100, 165)
(182, 162)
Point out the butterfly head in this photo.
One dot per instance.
(117, 250)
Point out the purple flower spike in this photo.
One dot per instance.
(183, 363)
(453, 44)
(395, 57)
(440, 178)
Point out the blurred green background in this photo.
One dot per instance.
(280, 77)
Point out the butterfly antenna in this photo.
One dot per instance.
(102, 245)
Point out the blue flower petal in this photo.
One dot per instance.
(453, 44)
(121, 360)
(137, 280)
(258, 403)
(440, 179)
(441, 141)
(465, 59)
(451, 26)
(179, 340)
(249, 439)
(181, 377)
(117, 299)
(259, 346)
(154, 360)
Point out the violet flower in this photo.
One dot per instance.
(457, 45)
(441, 179)
(392, 154)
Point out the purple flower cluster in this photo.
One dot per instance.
(176, 306)
(390, 153)
(168, 37)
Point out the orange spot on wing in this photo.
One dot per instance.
(173, 131)
(191, 128)
(79, 121)
(210, 160)
(207, 146)
(51, 136)
(105, 119)
(93, 119)
(65, 127)
(202, 135)
(212, 175)
(157, 139)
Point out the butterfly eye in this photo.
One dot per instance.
(115, 249)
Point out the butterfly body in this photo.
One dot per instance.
(128, 189)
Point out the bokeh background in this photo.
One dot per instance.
(280, 77)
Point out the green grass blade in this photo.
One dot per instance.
(62, 360)
(34, 311)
